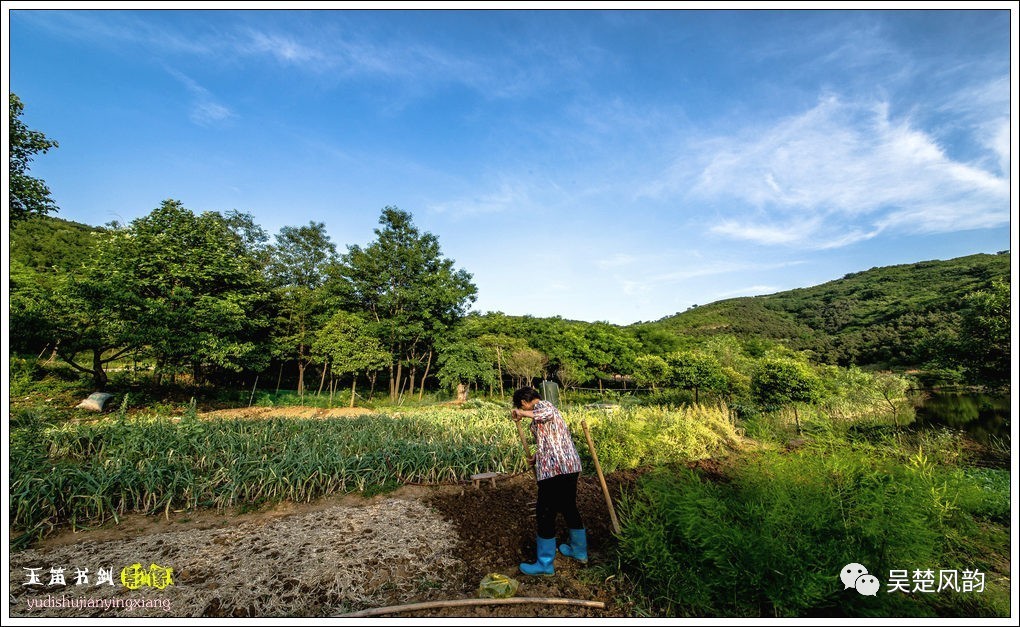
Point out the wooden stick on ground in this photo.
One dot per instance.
(602, 479)
(411, 607)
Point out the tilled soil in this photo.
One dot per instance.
(327, 558)
(496, 532)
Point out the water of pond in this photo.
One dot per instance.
(981, 416)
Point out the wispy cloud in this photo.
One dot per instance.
(284, 48)
(803, 234)
(338, 49)
(985, 108)
(753, 290)
(836, 174)
(506, 196)
(648, 282)
(115, 28)
(616, 260)
(205, 110)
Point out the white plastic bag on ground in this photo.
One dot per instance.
(95, 402)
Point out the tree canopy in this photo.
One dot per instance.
(411, 294)
(28, 195)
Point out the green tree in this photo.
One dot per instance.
(28, 195)
(654, 340)
(526, 364)
(737, 390)
(192, 288)
(985, 335)
(611, 350)
(93, 313)
(298, 266)
(42, 251)
(253, 237)
(300, 312)
(499, 346)
(693, 370)
(31, 329)
(346, 344)
(407, 289)
(778, 382)
(301, 256)
(651, 370)
(893, 390)
(569, 376)
(464, 362)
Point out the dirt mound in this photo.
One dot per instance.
(333, 556)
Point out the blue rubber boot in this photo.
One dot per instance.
(546, 554)
(578, 547)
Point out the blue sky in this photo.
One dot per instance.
(596, 165)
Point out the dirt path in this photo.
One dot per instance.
(322, 559)
(257, 413)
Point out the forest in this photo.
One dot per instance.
(210, 298)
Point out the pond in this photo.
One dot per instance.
(981, 416)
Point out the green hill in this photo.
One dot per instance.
(46, 243)
(890, 316)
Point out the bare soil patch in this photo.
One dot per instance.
(340, 554)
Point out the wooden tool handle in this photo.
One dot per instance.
(602, 479)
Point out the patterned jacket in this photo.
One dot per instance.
(556, 454)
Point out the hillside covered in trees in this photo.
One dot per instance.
(910, 316)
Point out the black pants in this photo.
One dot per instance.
(557, 494)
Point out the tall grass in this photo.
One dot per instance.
(771, 539)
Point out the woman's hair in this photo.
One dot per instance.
(525, 394)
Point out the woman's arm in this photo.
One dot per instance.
(544, 412)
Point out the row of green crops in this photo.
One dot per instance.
(86, 473)
(771, 537)
(651, 436)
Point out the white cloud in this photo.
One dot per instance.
(765, 233)
(837, 174)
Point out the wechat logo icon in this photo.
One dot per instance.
(856, 576)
